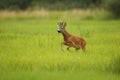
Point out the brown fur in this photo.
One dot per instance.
(71, 40)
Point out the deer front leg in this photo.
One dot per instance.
(68, 48)
(70, 44)
(67, 44)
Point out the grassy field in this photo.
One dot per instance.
(30, 49)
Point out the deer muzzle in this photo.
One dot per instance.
(58, 31)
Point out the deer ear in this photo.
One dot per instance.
(65, 24)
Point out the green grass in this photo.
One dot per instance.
(57, 75)
(30, 49)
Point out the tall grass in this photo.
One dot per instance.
(114, 66)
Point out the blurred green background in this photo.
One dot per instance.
(30, 45)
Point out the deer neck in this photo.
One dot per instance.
(66, 35)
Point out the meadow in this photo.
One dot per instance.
(30, 47)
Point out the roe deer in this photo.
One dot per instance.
(71, 40)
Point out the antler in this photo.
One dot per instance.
(64, 23)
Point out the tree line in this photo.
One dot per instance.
(111, 5)
(48, 4)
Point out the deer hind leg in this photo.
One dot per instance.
(84, 49)
(77, 48)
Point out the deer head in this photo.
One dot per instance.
(62, 26)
